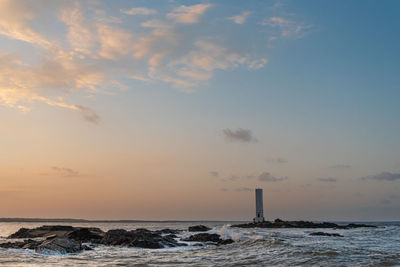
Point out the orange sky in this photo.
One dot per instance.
(142, 110)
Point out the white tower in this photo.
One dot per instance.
(259, 206)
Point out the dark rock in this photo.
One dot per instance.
(29, 243)
(205, 237)
(199, 228)
(136, 238)
(142, 238)
(325, 234)
(278, 223)
(12, 245)
(168, 231)
(355, 225)
(116, 237)
(51, 236)
(59, 244)
(86, 247)
(172, 236)
(21, 233)
(226, 241)
(86, 234)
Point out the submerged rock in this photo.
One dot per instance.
(326, 234)
(356, 225)
(198, 228)
(205, 237)
(59, 244)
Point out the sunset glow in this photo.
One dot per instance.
(178, 110)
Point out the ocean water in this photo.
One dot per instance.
(253, 247)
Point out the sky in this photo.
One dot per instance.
(178, 110)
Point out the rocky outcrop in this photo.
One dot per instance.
(205, 237)
(59, 245)
(198, 228)
(77, 233)
(68, 239)
(86, 235)
(43, 231)
(26, 244)
(50, 245)
(325, 234)
(278, 223)
(141, 238)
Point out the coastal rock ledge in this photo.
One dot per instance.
(68, 239)
(278, 223)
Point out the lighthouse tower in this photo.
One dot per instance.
(259, 206)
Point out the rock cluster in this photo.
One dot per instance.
(141, 238)
(278, 223)
(43, 231)
(59, 244)
(68, 239)
(205, 237)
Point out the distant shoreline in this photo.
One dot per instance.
(103, 221)
(68, 220)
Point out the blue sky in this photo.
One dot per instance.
(149, 105)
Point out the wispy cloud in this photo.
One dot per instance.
(327, 180)
(224, 189)
(214, 174)
(244, 189)
(240, 135)
(241, 18)
(277, 160)
(341, 166)
(139, 11)
(188, 14)
(234, 177)
(97, 53)
(65, 172)
(89, 114)
(267, 177)
(383, 176)
(282, 27)
(15, 22)
(21, 85)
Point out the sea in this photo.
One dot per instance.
(252, 247)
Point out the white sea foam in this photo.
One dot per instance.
(236, 234)
(255, 247)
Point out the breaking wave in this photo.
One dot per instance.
(256, 247)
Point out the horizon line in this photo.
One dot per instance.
(72, 220)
